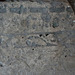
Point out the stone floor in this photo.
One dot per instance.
(37, 38)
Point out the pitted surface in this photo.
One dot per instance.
(37, 39)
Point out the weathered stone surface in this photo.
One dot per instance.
(55, 22)
(35, 40)
(69, 9)
(38, 10)
(2, 9)
(58, 10)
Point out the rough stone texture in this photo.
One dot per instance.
(37, 39)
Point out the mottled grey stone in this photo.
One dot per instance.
(21, 9)
(46, 17)
(17, 10)
(57, 10)
(29, 43)
(34, 44)
(34, 26)
(24, 10)
(55, 22)
(30, 37)
(49, 44)
(38, 10)
(8, 0)
(69, 9)
(2, 9)
(45, 25)
(0, 41)
(1, 64)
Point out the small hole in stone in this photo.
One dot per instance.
(65, 56)
(33, 49)
(1, 65)
(46, 34)
(53, 26)
(22, 37)
(40, 35)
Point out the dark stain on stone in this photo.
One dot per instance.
(2, 9)
(57, 10)
(1, 64)
(38, 10)
(31, 0)
(53, 40)
(68, 9)
(10, 64)
(17, 10)
(72, 3)
(39, 57)
(55, 22)
(0, 41)
(49, 44)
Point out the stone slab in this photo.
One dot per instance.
(37, 39)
